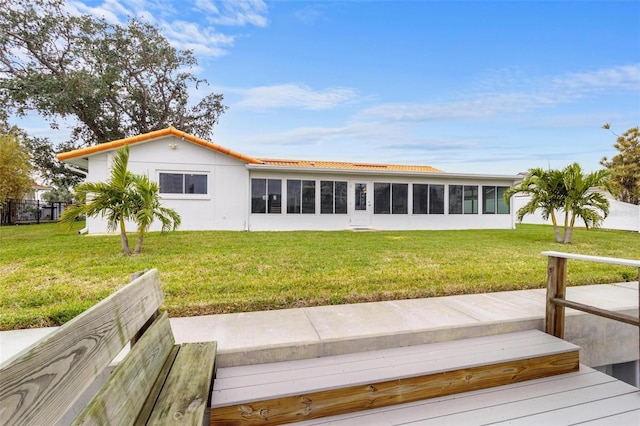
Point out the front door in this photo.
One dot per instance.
(361, 208)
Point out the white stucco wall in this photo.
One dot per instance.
(225, 206)
(622, 216)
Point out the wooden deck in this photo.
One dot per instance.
(377, 381)
(586, 397)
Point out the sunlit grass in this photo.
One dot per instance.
(49, 275)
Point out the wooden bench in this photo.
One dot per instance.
(158, 382)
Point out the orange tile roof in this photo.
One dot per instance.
(311, 164)
(152, 135)
(343, 165)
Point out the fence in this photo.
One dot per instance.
(19, 212)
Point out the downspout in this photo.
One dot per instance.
(247, 224)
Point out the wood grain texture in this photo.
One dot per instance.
(513, 403)
(627, 319)
(556, 288)
(39, 384)
(121, 398)
(152, 397)
(185, 397)
(558, 398)
(374, 395)
(237, 386)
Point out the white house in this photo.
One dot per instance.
(214, 188)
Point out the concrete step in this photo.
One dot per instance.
(291, 391)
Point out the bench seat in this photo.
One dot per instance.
(158, 382)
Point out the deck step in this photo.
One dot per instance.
(287, 392)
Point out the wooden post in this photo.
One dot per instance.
(556, 284)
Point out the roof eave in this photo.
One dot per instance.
(169, 131)
(457, 176)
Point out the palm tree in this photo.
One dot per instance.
(149, 209)
(125, 196)
(111, 199)
(582, 200)
(567, 190)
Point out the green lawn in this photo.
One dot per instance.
(49, 275)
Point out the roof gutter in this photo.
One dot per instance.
(75, 170)
(457, 176)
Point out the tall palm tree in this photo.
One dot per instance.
(149, 209)
(566, 191)
(125, 196)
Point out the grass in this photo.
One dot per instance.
(49, 275)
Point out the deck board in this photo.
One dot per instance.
(583, 396)
(252, 370)
(627, 418)
(304, 376)
(288, 392)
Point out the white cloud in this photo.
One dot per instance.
(203, 40)
(236, 12)
(621, 77)
(490, 101)
(187, 35)
(310, 14)
(293, 95)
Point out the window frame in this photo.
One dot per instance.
(463, 200)
(271, 205)
(498, 205)
(299, 191)
(184, 195)
(384, 201)
(333, 198)
(425, 194)
(471, 200)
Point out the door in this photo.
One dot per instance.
(361, 209)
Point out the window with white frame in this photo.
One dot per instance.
(182, 183)
(463, 199)
(266, 196)
(390, 198)
(493, 200)
(428, 199)
(333, 197)
(301, 196)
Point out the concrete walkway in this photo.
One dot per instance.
(269, 336)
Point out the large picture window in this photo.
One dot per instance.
(301, 196)
(463, 199)
(428, 199)
(390, 198)
(266, 196)
(493, 200)
(333, 197)
(182, 183)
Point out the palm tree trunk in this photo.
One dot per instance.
(123, 238)
(138, 248)
(568, 234)
(565, 229)
(556, 231)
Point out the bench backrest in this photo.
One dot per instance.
(40, 384)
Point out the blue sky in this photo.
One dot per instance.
(467, 87)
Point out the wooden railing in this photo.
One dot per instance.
(556, 288)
